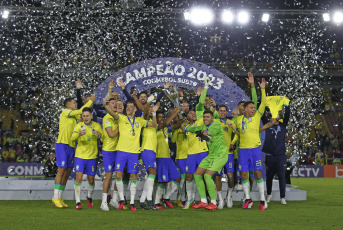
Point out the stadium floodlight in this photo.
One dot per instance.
(227, 16)
(265, 17)
(243, 17)
(337, 17)
(201, 16)
(187, 15)
(326, 17)
(5, 14)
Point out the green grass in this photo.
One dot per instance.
(322, 210)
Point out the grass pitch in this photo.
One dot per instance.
(322, 210)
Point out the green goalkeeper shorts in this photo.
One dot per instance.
(214, 163)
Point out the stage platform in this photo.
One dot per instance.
(18, 189)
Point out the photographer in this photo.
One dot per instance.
(274, 147)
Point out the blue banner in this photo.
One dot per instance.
(183, 72)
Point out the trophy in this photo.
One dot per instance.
(173, 95)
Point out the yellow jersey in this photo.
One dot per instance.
(275, 104)
(68, 120)
(194, 144)
(163, 150)
(227, 132)
(249, 128)
(149, 139)
(129, 133)
(109, 144)
(87, 145)
(180, 138)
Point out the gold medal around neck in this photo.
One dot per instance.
(243, 131)
(133, 134)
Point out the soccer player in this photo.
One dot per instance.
(213, 163)
(180, 138)
(110, 141)
(128, 147)
(240, 107)
(197, 151)
(166, 168)
(229, 166)
(148, 155)
(87, 133)
(250, 152)
(276, 159)
(65, 147)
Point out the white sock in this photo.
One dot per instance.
(229, 193)
(56, 193)
(115, 196)
(183, 189)
(204, 200)
(120, 187)
(77, 193)
(150, 188)
(189, 190)
(60, 193)
(159, 193)
(104, 198)
(214, 202)
(180, 190)
(220, 197)
(171, 189)
(246, 189)
(133, 190)
(90, 190)
(260, 187)
(144, 192)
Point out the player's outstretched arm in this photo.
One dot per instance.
(79, 102)
(139, 104)
(122, 85)
(146, 111)
(251, 81)
(154, 121)
(172, 116)
(267, 125)
(264, 98)
(110, 88)
(73, 113)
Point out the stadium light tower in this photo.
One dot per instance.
(5, 14)
(243, 17)
(200, 16)
(326, 17)
(337, 17)
(265, 17)
(227, 17)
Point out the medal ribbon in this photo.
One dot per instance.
(132, 123)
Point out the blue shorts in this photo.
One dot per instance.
(193, 161)
(109, 158)
(250, 159)
(238, 174)
(149, 159)
(181, 165)
(129, 159)
(64, 155)
(86, 166)
(166, 170)
(228, 167)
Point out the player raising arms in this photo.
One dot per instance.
(128, 147)
(248, 130)
(109, 153)
(213, 163)
(87, 133)
(166, 168)
(65, 147)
